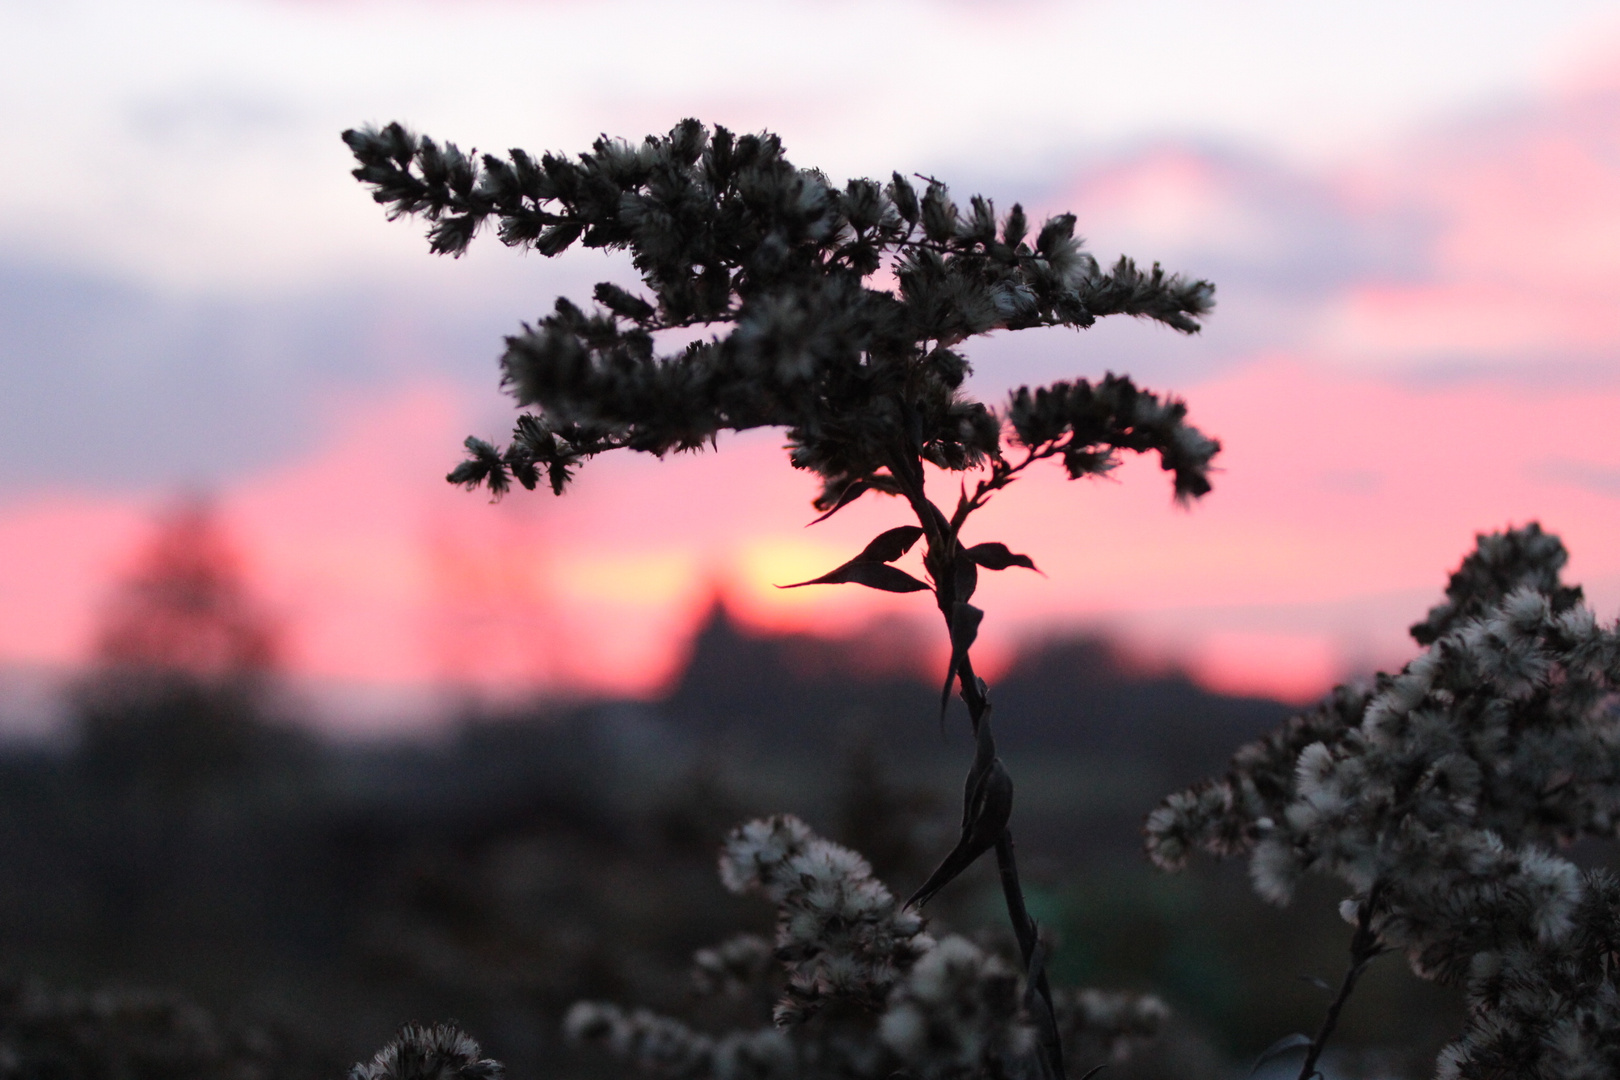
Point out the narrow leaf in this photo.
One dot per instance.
(871, 567)
(1318, 982)
(889, 546)
(1296, 1041)
(874, 575)
(996, 556)
(965, 620)
(845, 497)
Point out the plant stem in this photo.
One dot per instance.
(942, 543)
(1024, 927)
(1028, 935)
(1365, 947)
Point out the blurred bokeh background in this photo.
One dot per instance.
(291, 728)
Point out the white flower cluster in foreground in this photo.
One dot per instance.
(866, 993)
(840, 933)
(1548, 1010)
(959, 1006)
(1437, 797)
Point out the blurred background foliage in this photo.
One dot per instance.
(195, 885)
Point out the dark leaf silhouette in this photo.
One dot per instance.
(996, 556)
(889, 546)
(874, 575)
(845, 497)
(870, 567)
(986, 808)
(965, 620)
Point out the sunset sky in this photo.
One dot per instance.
(1411, 211)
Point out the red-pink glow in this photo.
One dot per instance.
(1338, 492)
(1348, 489)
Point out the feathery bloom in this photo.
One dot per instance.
(1438, 795)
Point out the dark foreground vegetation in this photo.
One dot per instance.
(274, 906)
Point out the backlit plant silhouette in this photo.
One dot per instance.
(782, 269)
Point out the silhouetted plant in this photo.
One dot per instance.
(1435, 795)
(867, 381)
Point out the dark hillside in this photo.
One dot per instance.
(1074, 698)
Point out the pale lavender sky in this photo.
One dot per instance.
(190, 144)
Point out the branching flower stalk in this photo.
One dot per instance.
(779, 266)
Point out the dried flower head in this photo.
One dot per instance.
(869, 994)
(839, 932)
(836, 314)
(959, 1013)
(725, 231)
(655, 1044)
(1116, 1021)
(439, 1052)
(1438, 794)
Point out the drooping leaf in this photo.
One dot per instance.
(1033, 970)
(889, 546)
(1038, 1003)
(996, 556)
(874, 575)
(965, 620)
(845, 497)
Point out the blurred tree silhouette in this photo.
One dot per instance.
(176, 702)
(172, 725)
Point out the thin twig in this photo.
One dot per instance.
(1365, 947)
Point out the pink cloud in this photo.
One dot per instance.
(1521, 248)
(1491, 241)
